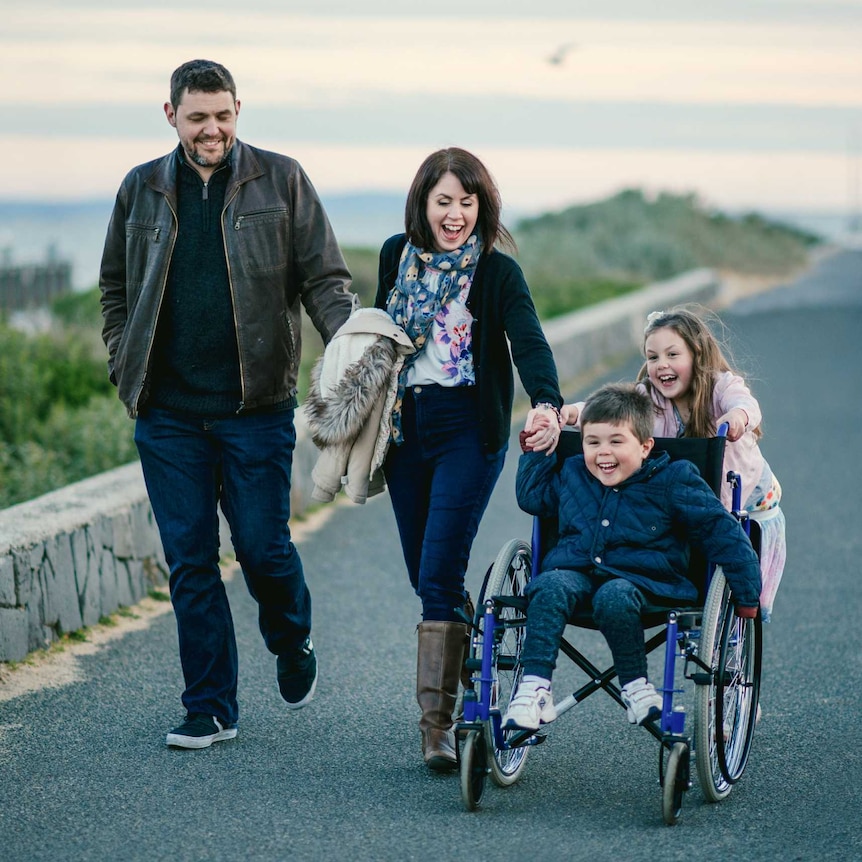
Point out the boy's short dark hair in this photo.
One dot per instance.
(200, 76)
(620, 404)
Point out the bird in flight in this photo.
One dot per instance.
(556, 59)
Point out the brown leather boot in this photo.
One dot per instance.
(440, 657)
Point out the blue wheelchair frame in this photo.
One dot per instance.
(681, 637)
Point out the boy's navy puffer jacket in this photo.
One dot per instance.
(639, 530)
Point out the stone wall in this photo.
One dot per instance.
(77, 554)
(73, 556)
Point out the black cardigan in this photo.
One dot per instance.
(502, 307)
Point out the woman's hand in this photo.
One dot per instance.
(542, 429)
(737, 421)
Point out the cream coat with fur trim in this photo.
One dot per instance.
(349, 404)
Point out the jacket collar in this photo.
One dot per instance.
(244, 167)
(648, 469)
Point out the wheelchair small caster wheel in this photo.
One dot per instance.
(676, 782)
(474, 768)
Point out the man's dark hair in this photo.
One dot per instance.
(620, 404)
(200, 76)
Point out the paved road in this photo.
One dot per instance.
(84, 774)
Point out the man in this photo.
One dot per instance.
(209, 252)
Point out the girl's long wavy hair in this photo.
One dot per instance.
(708, 360)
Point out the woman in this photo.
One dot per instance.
(458, 299)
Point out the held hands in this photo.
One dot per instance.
(541, 430)
(737, 420)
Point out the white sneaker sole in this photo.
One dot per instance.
(176, 740)
(510, 723)
(307, 699)
(653, 715)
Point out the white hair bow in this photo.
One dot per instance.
(652, 317)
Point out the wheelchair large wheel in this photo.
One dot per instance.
(725, 709)
(508, 576)
(675, 782)
(474, 768)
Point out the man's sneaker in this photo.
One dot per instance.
(531, 706)
(200, 731)
(643, 702)
(297, 676)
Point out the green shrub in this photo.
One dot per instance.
(72, 444)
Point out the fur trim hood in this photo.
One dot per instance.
(357, 369)
(337, 415)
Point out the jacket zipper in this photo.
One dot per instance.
(233, 297)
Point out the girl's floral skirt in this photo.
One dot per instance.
(763, 507)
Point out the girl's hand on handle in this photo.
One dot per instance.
(737, 420)
(569, 414)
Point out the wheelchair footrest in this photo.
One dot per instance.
(517, 602)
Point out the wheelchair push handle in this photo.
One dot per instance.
(735, 482)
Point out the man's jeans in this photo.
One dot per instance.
(191, 464)
(440, 481)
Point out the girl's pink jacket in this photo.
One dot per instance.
(743, 456)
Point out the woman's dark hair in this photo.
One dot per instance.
(476, 180)
(200, 76)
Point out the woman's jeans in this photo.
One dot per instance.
(555, 595)
(440, 480)
(191, 464)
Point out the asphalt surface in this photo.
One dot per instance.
(85, 775)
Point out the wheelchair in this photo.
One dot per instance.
(706, 644)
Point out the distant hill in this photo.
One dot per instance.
(583, 253)
(630, 235)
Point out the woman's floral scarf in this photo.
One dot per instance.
(426, 281)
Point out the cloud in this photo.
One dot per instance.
(737, 101)
(126, 56)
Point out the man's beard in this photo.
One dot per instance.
(201, 159)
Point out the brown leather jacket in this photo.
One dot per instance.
(280, 249)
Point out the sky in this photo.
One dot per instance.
(749, 105)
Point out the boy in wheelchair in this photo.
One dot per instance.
(625, 527)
